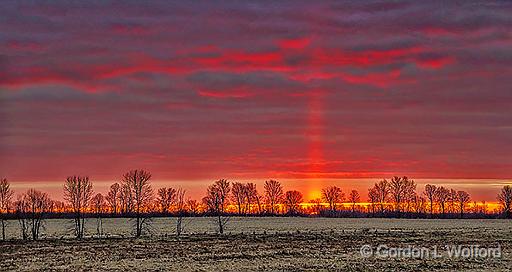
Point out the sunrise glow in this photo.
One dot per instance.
(197, 98)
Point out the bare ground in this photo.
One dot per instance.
(289, 251)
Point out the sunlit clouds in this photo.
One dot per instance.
(241, 90)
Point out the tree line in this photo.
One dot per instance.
(135, 198)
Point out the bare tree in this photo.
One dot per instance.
(373, 198)
(125, 199)
(273, 193)
(418, 203)
(166, 198)
(462, 200)
(58, 206)
(224, 188)
(137, 183)
(5, 202)
(382, 190)
(292, 199)
(430, 193)
(401, 190)
(259, 200)
(505, 200)
(78, 192)
(113, 197)
(215, 199)
(484, 207)
(332, 195)
(98, 203)
(180, 210)
(239, 195)
(442, 196)
(31, 208)
(211, 201)
(193, 206)
(354, 198)
(217, 202)
(452, 201)
(251, 197)
(21, 209)
(410, 194)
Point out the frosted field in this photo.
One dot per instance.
(60, 228)
(260, 244)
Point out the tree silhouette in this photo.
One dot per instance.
(354, 198)
(222, 188)
(215, 199)
(98, 203)
(442, 196)
(430, 193)
(332, 195)
(31, 209)
(136, 183)
(401, 190)
(373, 198)
(292, 199)
(239, 195)
(382, 190)
(193, 206)
(452, 201)
(126, 199)
(166, 198)
(273, 193)
(113, 196)
(462, 200)
(21, 209)
(78, 192)
(252, 197)
(419, 203)
(180, 210)
(505, 200)
(5, 201)
(134, 197)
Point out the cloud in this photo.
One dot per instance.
(203, 90)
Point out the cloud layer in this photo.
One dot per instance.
(287, 89)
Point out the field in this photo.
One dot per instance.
(262, 244)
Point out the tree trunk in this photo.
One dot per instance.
(221, 226)
(3, 229)
(178, 226)
(138, 228)
(78, 226)
(99, 226)
(82, 227)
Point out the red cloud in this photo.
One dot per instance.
(382, 80)
(435, 63)
(225, 94)
(311, 65)
(295, 43)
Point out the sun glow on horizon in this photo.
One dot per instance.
(312, 194)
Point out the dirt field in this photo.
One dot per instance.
(294, 248)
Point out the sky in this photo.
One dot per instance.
(336, 92)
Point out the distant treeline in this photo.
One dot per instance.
(134, 197)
